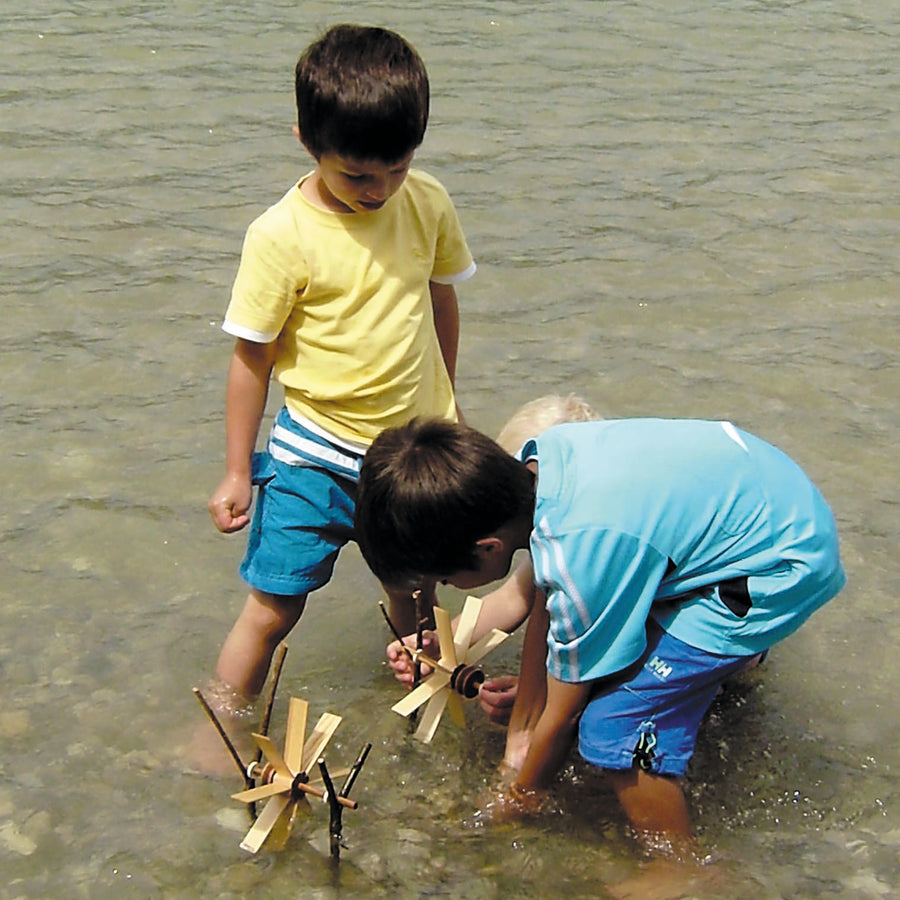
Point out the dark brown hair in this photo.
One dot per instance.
(362, 92)
(428, 491)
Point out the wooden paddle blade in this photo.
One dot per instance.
(284, 824)
(322, 734)
(491, 640)
(468, 619)
(432, 716)
(273, 756)
(260, 829)
(296, 731)
(261, 792)
(425, 691)
(455, 708)
(445, 637)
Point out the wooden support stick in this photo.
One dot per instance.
(417, 668)
(230, 747)
(394, 631)
(420, 639)
(420, 643)
(354, 771)
(335, 820)
(270, 700)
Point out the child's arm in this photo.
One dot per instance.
(245, 401)
(509, 605)
(446, 323)
(554, 733)
(531, 690)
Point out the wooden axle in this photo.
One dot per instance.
(465, 680)
(298, 785)
(419, 657)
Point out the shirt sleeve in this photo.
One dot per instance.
(270, 276)
(453, 261)
(600, 585)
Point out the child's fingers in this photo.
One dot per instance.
(510, 803)
(430, 644)
(227, 513)
(497, 696)
(501, 686)
(235, 523)
(400, 663)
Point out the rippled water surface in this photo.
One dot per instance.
(678, 208)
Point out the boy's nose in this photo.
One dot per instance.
(377, 190)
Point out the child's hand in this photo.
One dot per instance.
(402, 663)
(497, 696)
(510, 803)
(230, 502)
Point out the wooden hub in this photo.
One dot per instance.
(467, 680)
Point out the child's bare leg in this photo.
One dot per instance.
(265, 621)
(657, 809)
(240, 675)
(654, 804)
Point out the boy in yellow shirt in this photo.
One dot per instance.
(345, 295)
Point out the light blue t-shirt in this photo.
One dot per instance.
(671, 518)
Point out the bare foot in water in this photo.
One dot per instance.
(669, 879)
(675, 868)
(207, 751)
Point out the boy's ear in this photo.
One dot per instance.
(489, 545)
(296, 130)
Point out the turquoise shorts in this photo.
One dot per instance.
(302, 518)
(650, 718)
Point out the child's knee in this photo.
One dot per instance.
(272, 615)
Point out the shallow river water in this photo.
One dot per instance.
(678, 208)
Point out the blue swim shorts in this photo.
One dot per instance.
(651, 718)
(303, 516)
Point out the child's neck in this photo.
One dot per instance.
(315, 190)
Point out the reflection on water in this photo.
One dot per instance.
(678, 209)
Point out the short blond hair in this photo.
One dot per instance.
(536, 416)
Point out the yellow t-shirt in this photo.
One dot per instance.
(347, 298)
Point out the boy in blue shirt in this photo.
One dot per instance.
(664, 557)
(345, 295)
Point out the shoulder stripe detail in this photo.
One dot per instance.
(569, 615)
(732, 432)
(576, 602)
